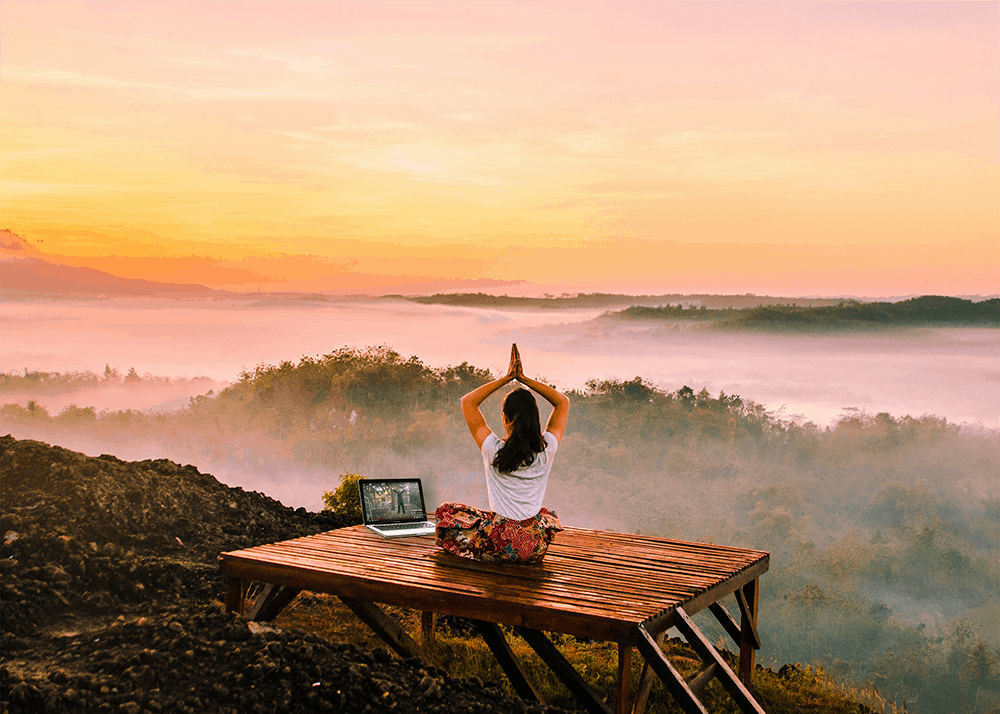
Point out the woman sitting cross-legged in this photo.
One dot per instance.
(517, 529)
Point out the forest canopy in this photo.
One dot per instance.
(846, 314)
(604, 300)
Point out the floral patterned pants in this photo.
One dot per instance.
(492, 538)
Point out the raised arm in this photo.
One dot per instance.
(470, 402)
(559, 401)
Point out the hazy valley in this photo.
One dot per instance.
(866, 462)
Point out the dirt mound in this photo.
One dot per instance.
(111, 597)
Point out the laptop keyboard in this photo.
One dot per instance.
(400, 526)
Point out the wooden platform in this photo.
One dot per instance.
(606, 586)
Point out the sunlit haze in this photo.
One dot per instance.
(781, 148)
(225, 228)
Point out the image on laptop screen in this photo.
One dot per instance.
(392, 501)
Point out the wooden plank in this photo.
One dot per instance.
(744, 700)
(585, 535)
(554, 575)
(271, 600)
(730, 625)
(413, 574)
(508, 661)
(529, 573)
(625, 552)
(674, 557)
(560, 666)
(670, 677)
(701, 557)
(384, 626)
(406, 571)
(586, 557)
(748, 598)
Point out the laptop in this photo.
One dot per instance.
(394, 507)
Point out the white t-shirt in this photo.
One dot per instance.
(518, 495)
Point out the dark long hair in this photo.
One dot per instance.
(525, 439)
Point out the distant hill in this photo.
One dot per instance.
(37, 276)
(23, 271)
(846, 314)
(611, 300)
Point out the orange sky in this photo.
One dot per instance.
(781, 148)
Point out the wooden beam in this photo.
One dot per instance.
(271, 600)
(560, 666)
(700, 679)
(670, 677)
(234, 595)
(646, 680)
(508, 661)
(428, 622)
(384, 626)
(748, 598)
(749, 613)
(624, 678)
(730, 625)
(744, 700)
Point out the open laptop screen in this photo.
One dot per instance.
(391, 501)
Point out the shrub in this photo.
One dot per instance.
(345, 500)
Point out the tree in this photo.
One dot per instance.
(346, 499)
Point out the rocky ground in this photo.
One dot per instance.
(111, 601)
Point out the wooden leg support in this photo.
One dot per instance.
(730, 625)
(508, 661)
(686, 691)
(710, 656)
(646, 679)
(671, 678)
(428, 622)
(234, 595)
(384, 626)
(702, 677)
(560, 666)
(624, 678)
(271, 600)
(747, 597)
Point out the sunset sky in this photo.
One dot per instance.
(796, 148)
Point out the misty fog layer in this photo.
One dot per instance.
(949, 372)
(884, 526)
